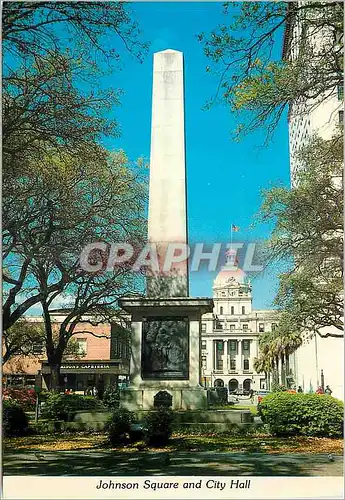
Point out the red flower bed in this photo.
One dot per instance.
(26, 398)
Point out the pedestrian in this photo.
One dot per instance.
(328, 390)
(299, 389)
(251, 395)
(319, 390)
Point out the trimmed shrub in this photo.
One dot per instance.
(118, 426)
(15, 422)
(222, 393)
(289, 414)
(217, 395)
(111, 398)
(64, 406)
(24, 397)
(159, 426)
(44, 427)
(276, 387)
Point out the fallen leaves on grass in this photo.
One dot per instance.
(55, 442)
(259, 443)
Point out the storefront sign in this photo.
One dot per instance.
(87, 367)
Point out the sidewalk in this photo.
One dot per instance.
(110, 463)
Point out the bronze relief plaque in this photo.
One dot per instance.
(165, 348)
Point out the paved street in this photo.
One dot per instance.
(98, 463)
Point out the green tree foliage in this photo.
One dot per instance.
(80, 203)
(309, 228)
(252, 77)
(62, 190)
(308, 235)
(22, 338)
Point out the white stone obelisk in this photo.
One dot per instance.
(167, 222)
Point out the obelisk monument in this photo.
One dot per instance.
(167, 222)
(165, 338)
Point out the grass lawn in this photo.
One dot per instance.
(252, 408)
(254, 443)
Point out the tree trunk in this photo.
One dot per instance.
(55, 377)
(6, 356)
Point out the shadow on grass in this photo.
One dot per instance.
(115, 463)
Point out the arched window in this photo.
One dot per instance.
(221, 310)
(232, 310)
(219, 382)
(233, 385)
(243, 310)
(246, 384)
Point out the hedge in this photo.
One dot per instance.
(64, 406)
(289, 414)
(15, 422)
(159, 426)
(118, 426)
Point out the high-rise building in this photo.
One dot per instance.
(321, 113)
(320, 360)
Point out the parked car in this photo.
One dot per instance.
(232, 399)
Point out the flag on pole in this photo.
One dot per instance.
(235, 228)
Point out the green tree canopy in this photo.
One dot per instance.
(254, 79)
(308, 232)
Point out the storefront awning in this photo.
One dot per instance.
(113, 367)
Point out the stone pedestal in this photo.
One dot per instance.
(166, 351)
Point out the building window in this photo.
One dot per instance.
(261, 327)
(219, 365)
(232, 293)
(204, 362)
(245, 327)
(203, 327)
(220, 346)
(243, 310)
(274, 326)
(81, 343)
(262, 383)
(203, 344)
(246, 364)
(340, 92)
(246, 345)
(232, 310)
(221, 310)
(233, 345)
(232, 364)
(232, 328)
(219, 354)
(223, 294)
(341, 117)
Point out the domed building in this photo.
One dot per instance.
(230, 334)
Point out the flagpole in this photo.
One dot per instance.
(231, 237)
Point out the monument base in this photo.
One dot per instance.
(166, 352)
(184, 398)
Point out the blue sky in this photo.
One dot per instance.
(224, 177)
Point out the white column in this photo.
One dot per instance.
(214, 354)
(225, 357)
(253, 353)
(239, 364)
